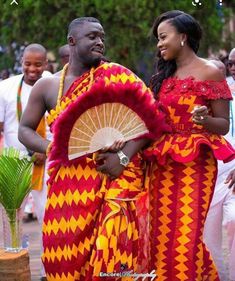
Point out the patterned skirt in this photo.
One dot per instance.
(180, 195)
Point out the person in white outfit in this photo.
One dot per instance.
(222, 209)
(14, 95)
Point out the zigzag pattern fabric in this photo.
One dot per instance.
(181, 180)
(91, 224)
(178, 212)
(88, 228)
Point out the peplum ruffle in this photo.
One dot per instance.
(186, 148)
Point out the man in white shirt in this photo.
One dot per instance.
(18, 87)
(14, 95)
(222, 208)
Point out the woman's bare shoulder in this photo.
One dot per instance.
(209, 71)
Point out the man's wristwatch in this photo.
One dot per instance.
(124, 159)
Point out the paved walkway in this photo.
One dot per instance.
(33, 229)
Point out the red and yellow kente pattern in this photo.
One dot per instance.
(178, 211)
(90, 224)
(181, 178)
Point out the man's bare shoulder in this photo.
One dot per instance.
(47, 84)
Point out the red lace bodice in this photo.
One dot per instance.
(180, 96)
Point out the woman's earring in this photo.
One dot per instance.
(182, 43)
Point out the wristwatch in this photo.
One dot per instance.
(124, 159)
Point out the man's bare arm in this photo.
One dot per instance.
(31, 117)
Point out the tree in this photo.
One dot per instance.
(127, 24)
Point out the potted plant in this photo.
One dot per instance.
(15, 184)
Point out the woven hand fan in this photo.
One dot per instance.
(104, 114)
(101, 125)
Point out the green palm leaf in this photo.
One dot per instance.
(15, 178)
(15, 183)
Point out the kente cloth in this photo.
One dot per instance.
(182, 175)
(91, 225)
(178, 209)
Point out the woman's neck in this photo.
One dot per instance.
(185, 59)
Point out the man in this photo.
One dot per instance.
(222, 208)
(19, 87)
(14, 94)
(5, 73)
(87, 229)
(64, 54)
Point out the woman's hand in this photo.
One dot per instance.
(200, 113)
(218, 121)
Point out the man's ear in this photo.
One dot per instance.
(71, 41)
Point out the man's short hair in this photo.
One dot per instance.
(34, 47)
(79, 21)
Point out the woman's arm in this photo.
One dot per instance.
(218, 123)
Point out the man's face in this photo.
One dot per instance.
(89, 40)
(33, 65)
(231, 64)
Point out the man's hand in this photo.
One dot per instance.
(111, 164)
(115, 147)
(231, 180)
(39, 158)
(110, 160)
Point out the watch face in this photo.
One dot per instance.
(124, 161)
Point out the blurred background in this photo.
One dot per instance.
(127, 24)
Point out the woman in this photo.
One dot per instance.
(184, 163)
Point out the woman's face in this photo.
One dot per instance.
(169, 41)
